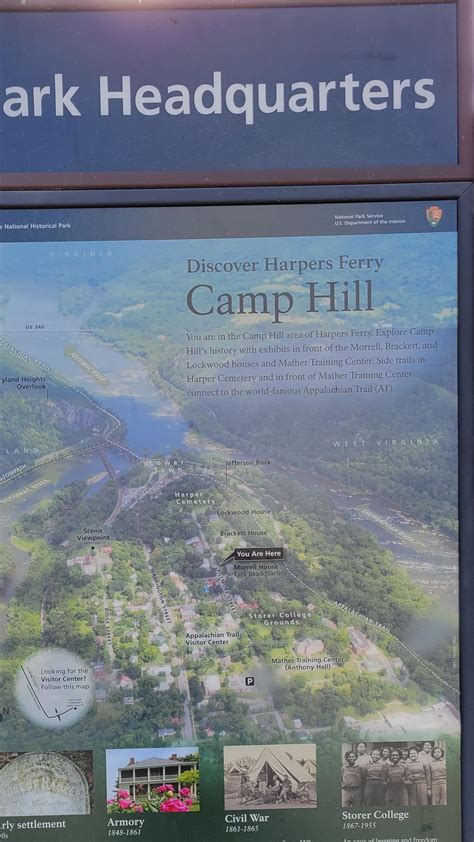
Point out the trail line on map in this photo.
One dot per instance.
(346, 608)
(343, 608)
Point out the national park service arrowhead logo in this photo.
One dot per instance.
(433, 215)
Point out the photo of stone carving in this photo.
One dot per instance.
(46, 783)
(272, 776)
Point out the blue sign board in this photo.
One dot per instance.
(246, 91)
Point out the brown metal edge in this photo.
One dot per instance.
(233, 178)
(137, 5)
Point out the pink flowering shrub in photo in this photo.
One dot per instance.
(162, 799)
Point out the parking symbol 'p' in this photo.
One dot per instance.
(249, 681)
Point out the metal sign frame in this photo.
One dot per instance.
(463, 170)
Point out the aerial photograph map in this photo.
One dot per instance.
(229, 528)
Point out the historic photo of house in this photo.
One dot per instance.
(153, 780)
(271, 776)
(46, 783)
(395, 774)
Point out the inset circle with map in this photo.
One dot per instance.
(54, 688)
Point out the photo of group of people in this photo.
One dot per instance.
(273, 776)
(393, 774)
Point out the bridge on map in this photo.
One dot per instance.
(116, 479)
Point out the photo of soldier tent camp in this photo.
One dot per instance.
(276, 776)
(393, 774)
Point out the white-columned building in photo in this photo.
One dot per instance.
(139, 778)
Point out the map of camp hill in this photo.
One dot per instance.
(154, 455)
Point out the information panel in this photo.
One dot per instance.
(229, 519)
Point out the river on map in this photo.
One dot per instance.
(153, 423)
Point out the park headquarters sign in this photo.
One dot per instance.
(231, 96)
